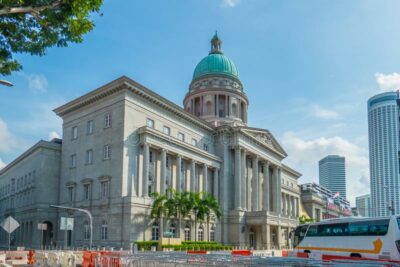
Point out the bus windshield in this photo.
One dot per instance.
(299, 234)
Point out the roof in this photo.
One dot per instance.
(216, 64)
(53, 144)
(125, 82)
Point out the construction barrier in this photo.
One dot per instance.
(17, 257)
(285, 253)
(302, 255)
(242, 252)
(197, 252)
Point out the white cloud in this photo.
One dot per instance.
(2, 164)
(53, 134)
(323, 113)
(7, 140)
(230, 3)
(305, 154)
(388, 82)
(37, 82)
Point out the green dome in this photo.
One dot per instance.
(215, 64)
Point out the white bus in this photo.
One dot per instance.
(367, 238)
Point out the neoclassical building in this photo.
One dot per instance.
(123, 141)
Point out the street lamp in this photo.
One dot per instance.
(84, 211)
(6, 83)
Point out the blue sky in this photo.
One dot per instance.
(308, 68)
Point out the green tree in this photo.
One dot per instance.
(32, 26)
(210, 206)
(159, 209)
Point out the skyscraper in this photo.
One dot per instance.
(332, 174)
(363, 205)
(383, 130)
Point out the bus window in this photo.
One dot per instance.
(376, 227)
(398, 222)
(299, 234)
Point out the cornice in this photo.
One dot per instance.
(123, 83)
(177, 142)
(27, 153)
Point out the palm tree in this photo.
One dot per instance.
(198, 210)
(183, 206)
(211, 206)
(158, 208)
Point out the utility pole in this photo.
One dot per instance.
(88, 213)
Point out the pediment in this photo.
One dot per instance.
(264, 137)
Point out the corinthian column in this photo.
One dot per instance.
(244, 181)
(256, 185)
(146, 154)
(205, 179)
(193, 177)
(216, 189)
(178, 173)
(237, 179)
(163, 170)
(266, 187)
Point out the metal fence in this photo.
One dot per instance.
(181, 259)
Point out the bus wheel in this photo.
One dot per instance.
(355, 255)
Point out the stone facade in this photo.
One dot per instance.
(28, 185)
(122, 141)
(320, 203)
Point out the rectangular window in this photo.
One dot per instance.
(104, 232)
(194, 142)
(107, 152)
(74, 132)
(205, 147)
(107, 120)
(89, 156)
(104, 189)
(70, 194)
(151, 156)
(86, 229)
(90, 127)
(167, 130)
(150, 123)
(86, 191)
(167, 162)
(181, 137)
(73, 161)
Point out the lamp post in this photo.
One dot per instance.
(84, 211)
(6, 83)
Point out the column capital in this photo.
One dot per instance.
(179, 156)
(164, 150)
(266, 163)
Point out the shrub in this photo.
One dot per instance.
(146, 245)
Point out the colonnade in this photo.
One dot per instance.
(181, 175)
(258, 189)
(290, 205)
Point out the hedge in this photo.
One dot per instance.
(184, 247)
(146, 245)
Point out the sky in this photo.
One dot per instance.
(308, 69)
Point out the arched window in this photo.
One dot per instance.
(212, 233)
(155, 229)
(200, 233)
(104, 230)
(86, 230)
(172, 229)
(187, 232)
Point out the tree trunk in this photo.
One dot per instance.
(195, 228)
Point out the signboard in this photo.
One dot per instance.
(9, 224)
(42, 226)
(168, 234)
(66, 223)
